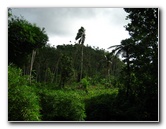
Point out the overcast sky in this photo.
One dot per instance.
(104, 26)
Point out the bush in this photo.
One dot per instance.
(101, 108)
(85, 83)
(23, 103)
(112, 106)
(59, 105)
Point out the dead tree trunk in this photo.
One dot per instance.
(32, 61)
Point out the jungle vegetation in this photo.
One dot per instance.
(84, 83)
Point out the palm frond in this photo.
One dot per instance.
(80, 36)
(118, 52)
(114, 46)
(117, 48)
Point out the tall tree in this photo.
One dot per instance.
(23, 39)
(143, 29)
(144, 32)
(81, 39)
(125, 49)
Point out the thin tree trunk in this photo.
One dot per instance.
(45, 75)
(75, 66)
(32, 61)
(38, 73)
(81, 62)
(109, 75)
(52, 79)
(56, 69)
(108, 70)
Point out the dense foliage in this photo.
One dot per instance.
(23, 102)
(58, 105)
(81, 83)
(61, 65)
(140, 53)
(144, 66)
(23, 37)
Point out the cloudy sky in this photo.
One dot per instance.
(104, 26)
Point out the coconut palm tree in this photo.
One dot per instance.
(124, 48)
(81, 39)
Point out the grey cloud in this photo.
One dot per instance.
(116, 16)
(57, 21)
(61, 23)
(119, 17)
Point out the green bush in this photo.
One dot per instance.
(101, 108)
(23, 103)
(59, 105)
(85, 83)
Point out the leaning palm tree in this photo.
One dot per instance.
(81, 39)
(124, 49)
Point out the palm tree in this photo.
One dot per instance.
(124, 49)
(81, 39)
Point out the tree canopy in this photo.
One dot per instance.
(81, 35)
(23, 37)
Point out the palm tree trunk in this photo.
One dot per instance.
(108, 72)
(81, 61)
(75, 59)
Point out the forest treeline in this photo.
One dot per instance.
(62, 65)
(77, 82)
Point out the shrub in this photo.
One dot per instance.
(85, 83)
(23, 103)
(101, 107)
(59, 105)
